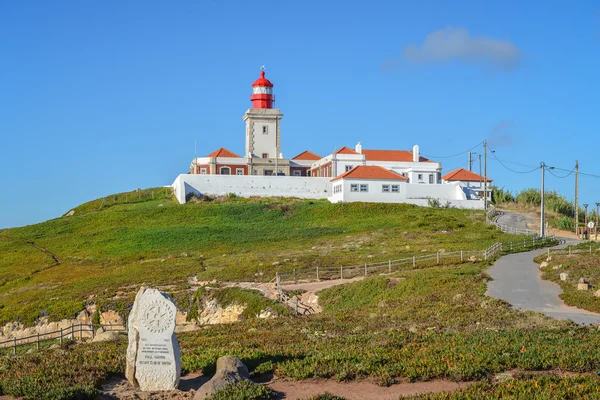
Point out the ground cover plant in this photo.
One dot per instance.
(577, 266)
(412, 325)
(115, 244)
(526, 386)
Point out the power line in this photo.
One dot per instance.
(510, 169)
(455, 155)
(561, 177)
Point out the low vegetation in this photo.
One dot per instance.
(110, 246)
(578, 266)
(560, 212)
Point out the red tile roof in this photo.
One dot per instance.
(391, 155)
(462, 174)
(370, 172)
(345, 150)
(307, 155)
(223, 152)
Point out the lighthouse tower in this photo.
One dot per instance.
(263, 139)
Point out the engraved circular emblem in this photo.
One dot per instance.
(157, 316)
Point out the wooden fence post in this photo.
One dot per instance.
(438, 257)
(390, 266)
(569, 251)
(318, 273)
(341, 272)
(14, 345)
(38, 341)
(365, 269)
(590, 249)
(414, 261)
(294, 275)
(60, 337)
(461, 256)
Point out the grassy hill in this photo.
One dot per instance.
(110, 244)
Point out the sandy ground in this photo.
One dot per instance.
(119, 388)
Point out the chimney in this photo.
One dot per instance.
(416, 153)
(358, 148)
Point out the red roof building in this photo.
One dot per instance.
(370, 172)
(463, 175)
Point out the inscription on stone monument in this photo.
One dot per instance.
(153, 354)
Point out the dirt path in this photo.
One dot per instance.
(292, 390)
(119, 388)
(309, 297)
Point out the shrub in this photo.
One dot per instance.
(434, 203)
(243, 391)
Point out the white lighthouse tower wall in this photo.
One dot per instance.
(263, 132)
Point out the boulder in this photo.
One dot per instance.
(564, 276)
(544, 264)
(597, 293)
(583, 286)
(105, 336)
(230, 370)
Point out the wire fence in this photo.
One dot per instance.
(76, 331)
(426, 260)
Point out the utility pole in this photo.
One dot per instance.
(596, 237)
(576, 198)
(585, 206)
(470, 162)
(542, 205)
(485, 172)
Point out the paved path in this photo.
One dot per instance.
(517, 279)
(514, 220)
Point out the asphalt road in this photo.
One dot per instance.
(517, 280)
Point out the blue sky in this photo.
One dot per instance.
(103, 97)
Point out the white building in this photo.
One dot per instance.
(472, 183)
(360, 174)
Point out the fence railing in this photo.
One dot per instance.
(439, 258)
(569, 251)
(76, 331)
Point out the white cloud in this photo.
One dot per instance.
(452, 43)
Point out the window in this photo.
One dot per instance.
(265, 155)
(430, 178)
(308, 173)
(203, 171)
(337, 189)
(364, 188)
(225, 171)
(239, 171)
(354, 188)
(297, 172)
(268, 172)
(395, 189)
(385, 188)
(420, 177)
(348, 168)
(265, 130)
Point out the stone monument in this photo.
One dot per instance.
(153, 360)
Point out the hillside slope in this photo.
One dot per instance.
(147, 237)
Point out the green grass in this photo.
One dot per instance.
(110, 245)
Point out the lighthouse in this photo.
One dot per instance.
(263, 131)
(262, 92)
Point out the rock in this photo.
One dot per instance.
(230, 370)
(153, 359)
(583, 280)
(84, 317)
(597, 293)
(583, 286)
(54, 346)
(544, 264)
(275, 263)
(503, 377)
(564, 276)
(113, 319)
(267, 313)
(212, 313)
(105, 336)
(549, 258)
(70, 213)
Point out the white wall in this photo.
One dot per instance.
(252, 185)
(408, 193)
(265, 143)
